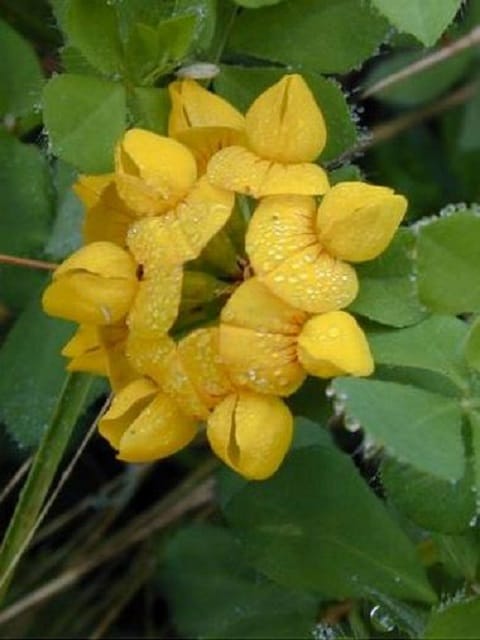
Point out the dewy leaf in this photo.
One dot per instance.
(316, 525)
(26, 215)
(456, 620)
(388, 288)
(430, 502)
(84, 117)
(335, 35)
(448, 259)
(21, 77)
(150, 107)
(33, 373)
(434, 344)
(415, 426)
(425, 19)
(250, 605)
(92, 27)
(205, 12)
(241, 85)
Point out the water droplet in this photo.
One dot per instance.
(381, 620)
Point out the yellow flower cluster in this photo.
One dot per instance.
(169, 205)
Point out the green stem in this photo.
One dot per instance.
(47, 459)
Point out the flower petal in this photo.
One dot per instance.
(263, 362)
(194, 106)
(204, 142)
(333, 344)
(156, 304)
(126, 406)
(254, 306)
(153, 172)
(251, 433)
(356, 221)
(119, 370)
(237, 169)
(85, 352)
(313, 281)
(90, 188)
(104, 259)
(280, 227)
(159, 431)
(285, 123)
(147, 353)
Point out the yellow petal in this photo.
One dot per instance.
(153, 172)
(313, 281)
(90, 188)
(204, 142)
(108, 217)
(156, 304)
(254, 306)
(356, 221)
(194, 106)
(159, 431)
(147, 353)
(126, 406)
(333, 344)
(280, 227)
(96, 285)
(85, 352)
(237, 169)
(119, 370)
(251, 433)
(263, 362)
(200, 356)
(285, 123)
(158, 241)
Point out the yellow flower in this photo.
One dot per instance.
(145, 424)
(268, 346)
(107, 217)
(251, 433)
(285, 132)
(203, 121)
(95, 286)
(298, 251)
(101, 351)
(332, 344)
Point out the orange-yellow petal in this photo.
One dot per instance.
(333, 344)
(237, 169)
(204, 142)
(108, 219)
(251, 433)
(113, 342)
(280, 227)
(153, 172)
(254, 306)
(90, 188)
(356, 221)
(126, 406)
(159, 431)
(85, 351)
(194, 106)
(96, 285)
(147, 352)
(285, 124)
(313, 281)
(156, 304)
(263, 362)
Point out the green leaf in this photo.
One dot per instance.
(85, 117)
(241, 85)
(316, 525)
(34, 373)
(472, 345)
(415, 426)
(470, 132)
(388, 289)
(455, 620)
(250, 605)
(434, 344)
(70, 403)
(448, 259)
(430, 502)
(425, 19)
(256, 4)
(92, 27)
(205, 12)
(150, 107)
(332, 36)
(420, 87)
(27, 210)
(21, 77)
(474, 420)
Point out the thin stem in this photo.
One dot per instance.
(16, 479)
(29, 263)
(471, 39)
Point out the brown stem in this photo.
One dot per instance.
(27, 262)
